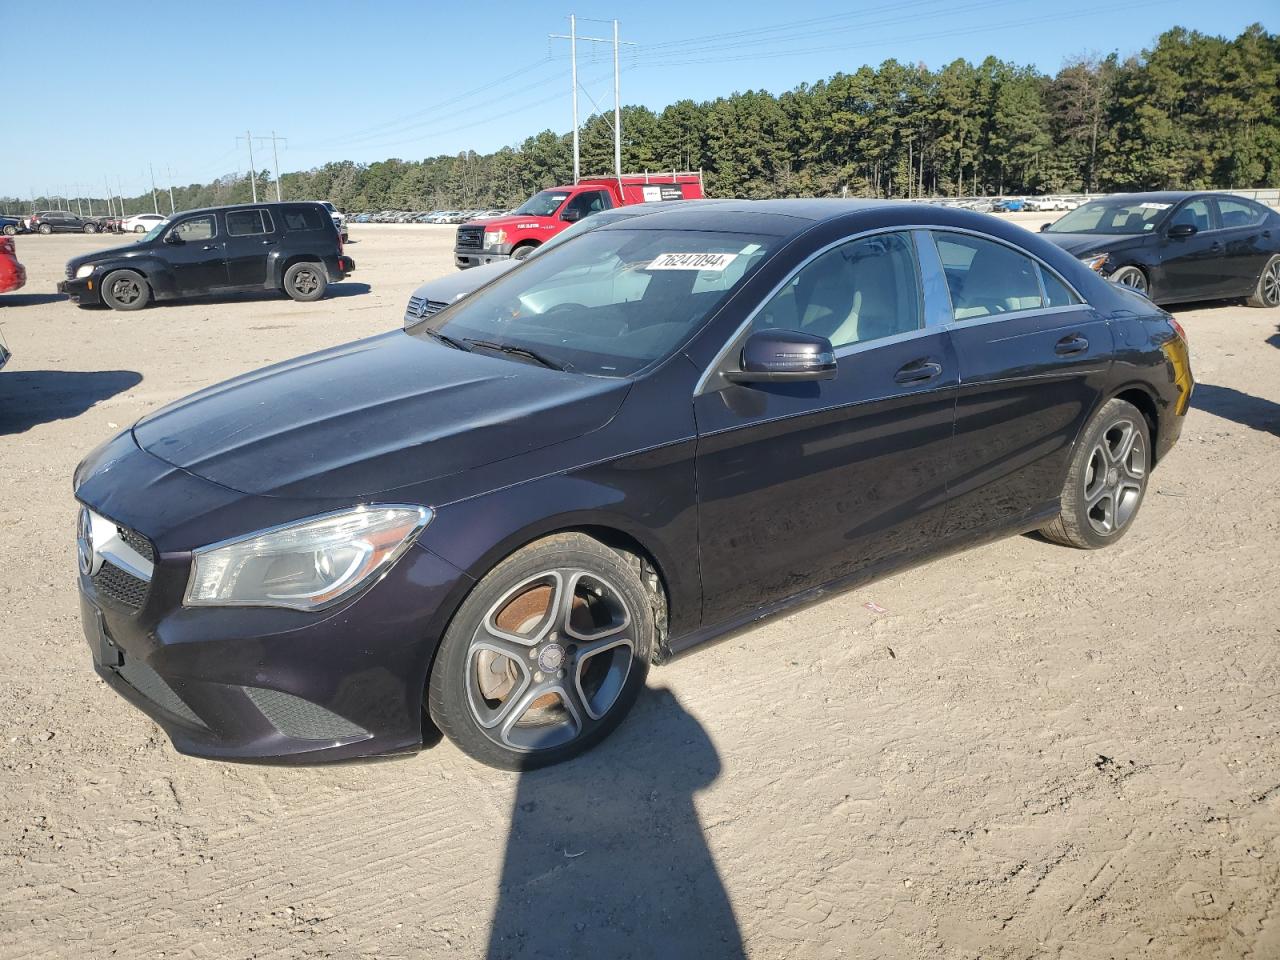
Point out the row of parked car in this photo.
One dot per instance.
(64, 221)
(427, 216)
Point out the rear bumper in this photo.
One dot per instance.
(12, 278)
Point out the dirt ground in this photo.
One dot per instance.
(1024, 751)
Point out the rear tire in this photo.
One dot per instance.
(306, 281)
(1106, 480)
(1267, 292)
(125, 290)
(10, 230)
(545, 656)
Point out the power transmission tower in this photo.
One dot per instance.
(573, 39)
(275, 156)
(253, 173)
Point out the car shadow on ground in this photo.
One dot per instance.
(1244, 408)
(606, 856)
(334, 291)
(31, 397)
(29, 299)
(1274, 339)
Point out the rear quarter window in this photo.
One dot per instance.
(305, 218)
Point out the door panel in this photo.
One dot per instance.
(1028, 383)
(1245, 242)
(198, 262)
(1193, 265)
(251, 236)
(799, 484)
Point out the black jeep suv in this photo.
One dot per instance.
(292, 247)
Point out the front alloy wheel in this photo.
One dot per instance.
(1133, 278)
(546, 655)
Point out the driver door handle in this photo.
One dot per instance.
(210, 246)
(1071, 345)
(917, 371)
(267, 243)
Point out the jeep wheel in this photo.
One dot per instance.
(305, 282)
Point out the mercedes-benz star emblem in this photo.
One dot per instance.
(89, 559)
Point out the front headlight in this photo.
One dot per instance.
(86, 270)
(305, 565)
(1094, 261)
(494, 238)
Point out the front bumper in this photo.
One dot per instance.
(254, 683)
(471, 257)
(81, 291)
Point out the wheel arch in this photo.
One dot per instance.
(1141, 397)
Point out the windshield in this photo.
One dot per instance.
(154, 231)
(1112, 217)
(608, 304)
(542, 204)
(585, 225)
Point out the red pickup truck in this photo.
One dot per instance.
(547, 213)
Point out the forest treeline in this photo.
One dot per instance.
(1194, 111)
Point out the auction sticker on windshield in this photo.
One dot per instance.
(692, 261)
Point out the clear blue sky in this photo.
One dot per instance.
(371, 79)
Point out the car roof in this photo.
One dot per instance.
(782, 218)
(251, 206)
(1163, 196)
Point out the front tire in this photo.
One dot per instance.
(90, 228)
(1267, 292)
(1133, 278)
(519, 253)
(45, 229)
(139, 229)
(10, 230)
(545, 656)
(1106, 480)
(125, 290)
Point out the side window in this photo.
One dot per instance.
(197, 228)
(1238, 213)
(1056, 293)
(304, 218)
(1195, 213)
(987, 278)
(247, 223)
(593, 201)
(864, 290)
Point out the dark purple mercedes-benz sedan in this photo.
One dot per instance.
(494, 521)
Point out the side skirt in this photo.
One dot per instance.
(1024, 522)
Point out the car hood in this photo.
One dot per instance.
(127, 250)
(509, 221)
(455, 286)
(373, 416)
(1080, 244)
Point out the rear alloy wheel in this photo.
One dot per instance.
(90, 228)
(305, 282)
(1106, 481)
(125, 290)
(45, 229)
(546, 655)
(1267, 293)
(1133, 278)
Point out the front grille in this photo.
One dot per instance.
(420, 307)
(301, 719)
(115, 584)
(140, 544)
(470, 238)
(151, 685)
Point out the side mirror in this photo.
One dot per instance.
(780, 356)
(172, 237)
(1180, 230)
(571, 215)
(1045, 226)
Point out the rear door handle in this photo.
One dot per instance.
(267, 243)
(1072, 344)
(917, 371)
(210, 246)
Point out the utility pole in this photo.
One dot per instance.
(155, 201)
(111, 207)
(275, 156)
(253, 175)
(573, 39)
(172, 209)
